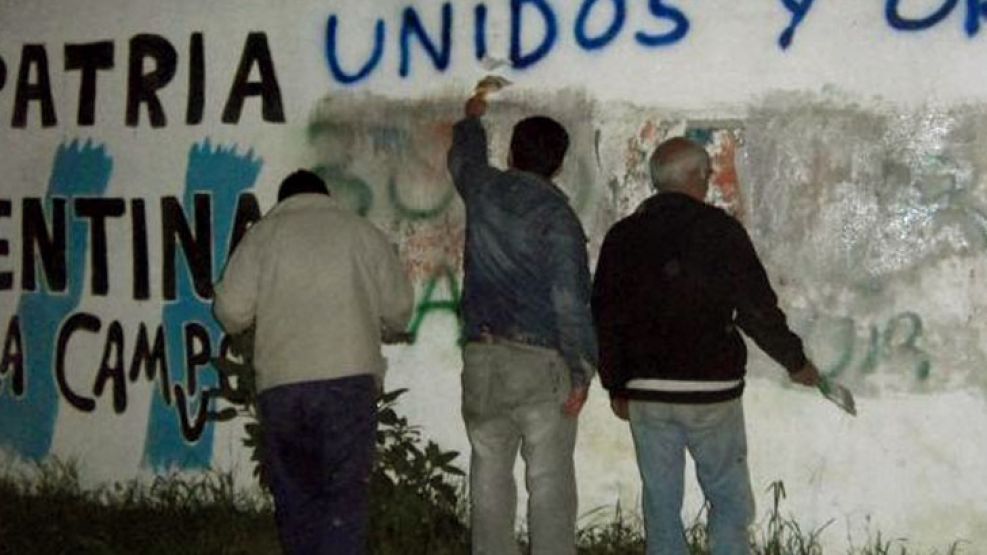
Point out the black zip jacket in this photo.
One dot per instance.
(673, 283)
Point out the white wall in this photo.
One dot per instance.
(854, 156)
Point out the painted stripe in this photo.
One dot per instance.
(224, 174)
(28, 422)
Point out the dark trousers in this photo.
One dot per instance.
(319, 448)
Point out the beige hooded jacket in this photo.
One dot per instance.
(322, 285)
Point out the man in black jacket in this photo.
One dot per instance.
(674, 282)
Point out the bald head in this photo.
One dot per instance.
(681, 166)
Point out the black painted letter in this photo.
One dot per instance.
(142, 87)
(255, 51)
(198, 352)
(138, 236)
(79, 321)
(153, 359)
(197, 246)
(196, 80)
(111, 368)
(89, 58)
(97, 210)
(6, 278)
(51, 246)
(34, 55)
(13, 357)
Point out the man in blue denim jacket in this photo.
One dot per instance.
(530, 346)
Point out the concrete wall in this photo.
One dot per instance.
(847, 136)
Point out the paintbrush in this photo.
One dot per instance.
(838, 394)
(490, 84)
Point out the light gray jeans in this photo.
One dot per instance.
(716, 438)
(512, 399)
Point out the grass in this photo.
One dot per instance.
(776, 534)
(48, 512)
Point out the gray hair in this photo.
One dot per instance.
(672, 172)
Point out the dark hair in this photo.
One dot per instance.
(301, 182)
(538, 145)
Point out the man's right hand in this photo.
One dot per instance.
(619, 408)
(574, 403)
(807, 376)
(476, 106)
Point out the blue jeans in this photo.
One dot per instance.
(716, 438)
(512, 399)
(319, 449)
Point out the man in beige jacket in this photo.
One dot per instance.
(321, 285)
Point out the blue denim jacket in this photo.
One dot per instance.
(526, 269)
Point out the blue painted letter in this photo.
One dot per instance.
(412, 25)
(592, 43)
(519, 59)
(680, 29)
(480, 31)
(903, 24)
(333, 57)
(798, 8)
(976, 10)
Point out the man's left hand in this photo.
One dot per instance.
(576, 400)
(808, 375)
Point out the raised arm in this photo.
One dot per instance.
(468, 160)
